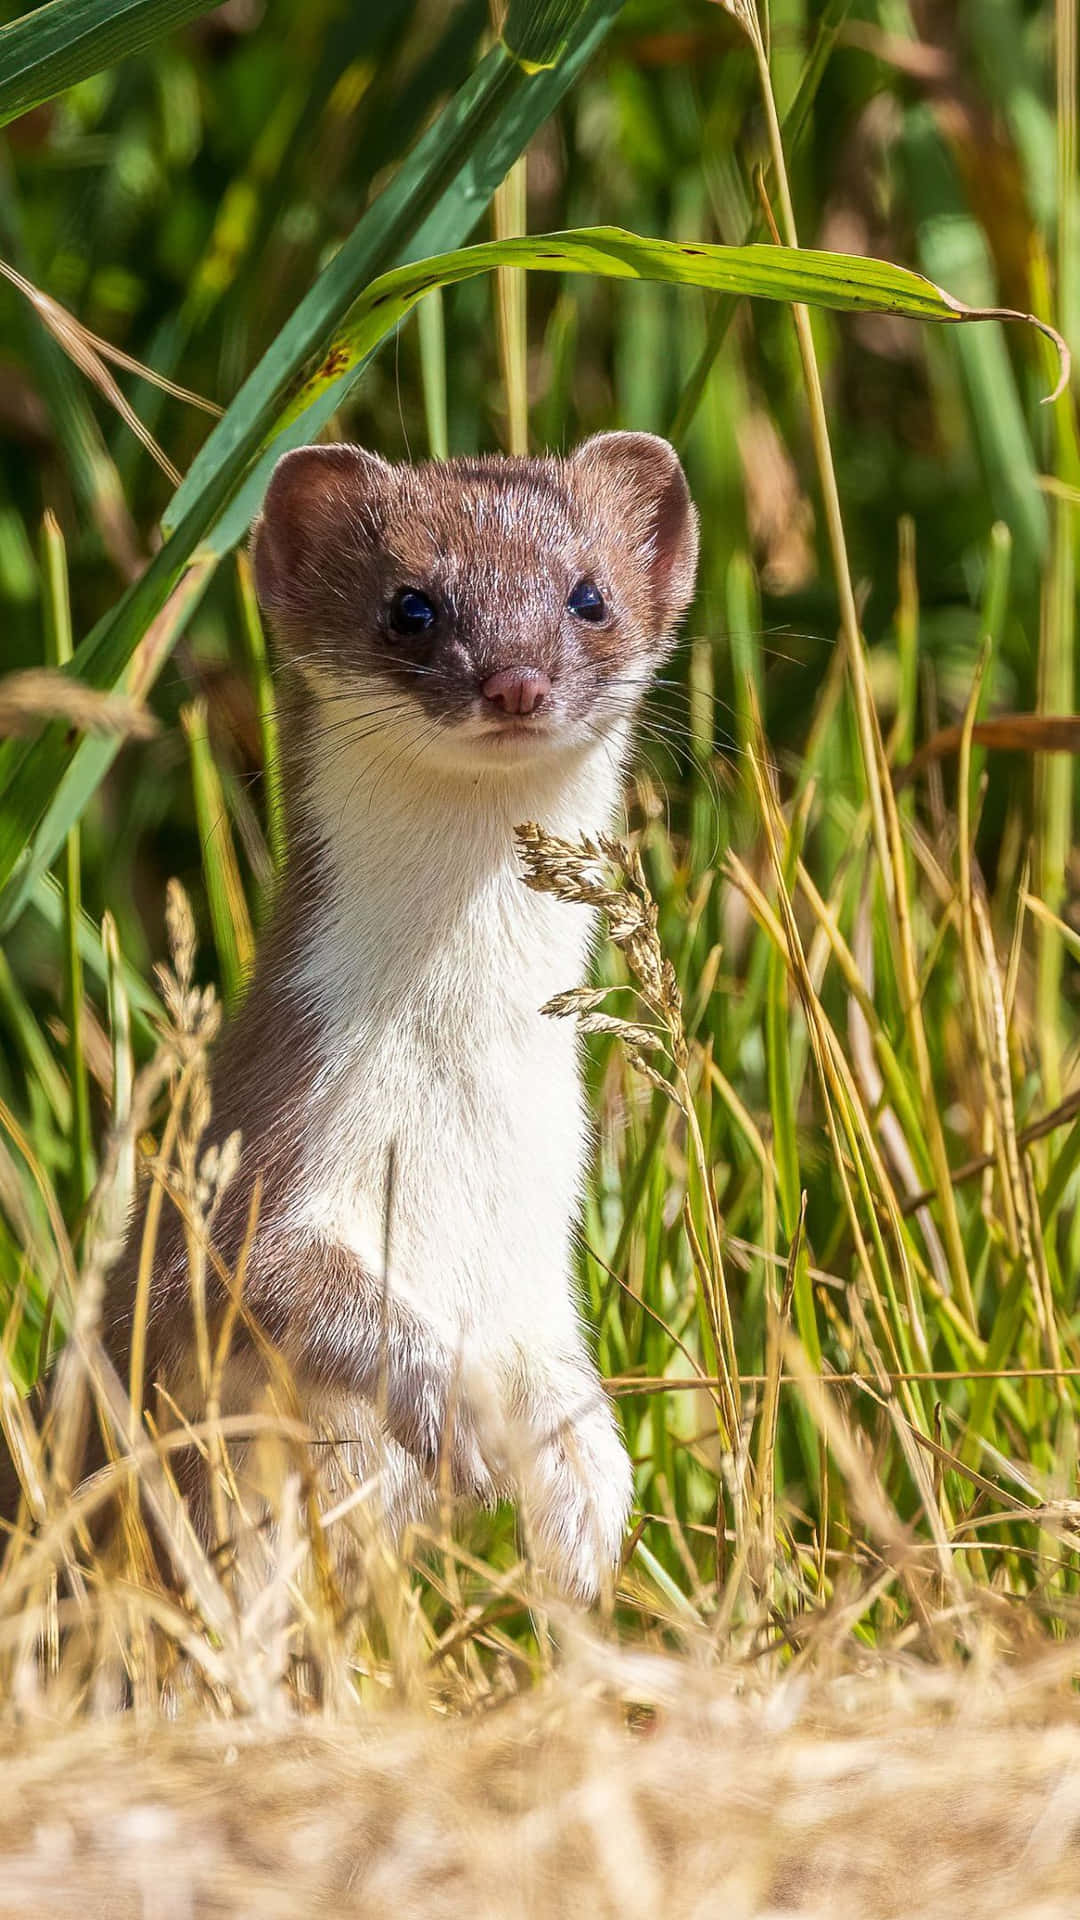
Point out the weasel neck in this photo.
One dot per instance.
(419, 917)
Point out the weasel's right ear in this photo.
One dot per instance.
(315, 497)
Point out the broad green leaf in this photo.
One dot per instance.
(537, 33)
(51, 49)
(844, 282)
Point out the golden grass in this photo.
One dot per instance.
(31, 698)
(831, 1264)
(627, 1785)
(435, 1734)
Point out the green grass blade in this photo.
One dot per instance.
(1064, 1167)
(29, 1042)
(794, 122)
(51, 49)
(560, 352)
(228, 907)
(432, 335)
(743, 610)
(147, 1011)
(58, 651)
(1055, 783)
(510, 311)
(952, 244)
(843, 282)
(122, 1190)
(258, 661)
(44, 809)
(781, 1103)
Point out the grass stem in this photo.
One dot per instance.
(58, 651)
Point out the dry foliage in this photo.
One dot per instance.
(436, 1735)
(627, 1786)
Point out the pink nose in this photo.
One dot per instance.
(517, 689)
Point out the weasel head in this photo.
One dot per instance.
(488, 611)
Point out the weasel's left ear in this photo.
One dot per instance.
(640, 482)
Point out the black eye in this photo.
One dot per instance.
(587, 601)
(411, 612)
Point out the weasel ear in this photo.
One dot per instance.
(640, 482)
(314, 494)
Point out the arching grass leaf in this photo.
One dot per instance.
(842, 282)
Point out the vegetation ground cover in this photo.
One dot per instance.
(831, 1245)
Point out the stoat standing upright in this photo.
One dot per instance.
(461, 647)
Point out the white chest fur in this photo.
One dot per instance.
(443, 1092)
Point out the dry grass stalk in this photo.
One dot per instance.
(80, 1633)
(576, 872)
(615, 1789)
(89, 352)
(33, 697)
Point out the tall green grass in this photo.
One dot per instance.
(831, 1245)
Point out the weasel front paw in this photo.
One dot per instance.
(438, 1427)
(575, 1485)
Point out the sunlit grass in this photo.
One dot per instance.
(831, 1240)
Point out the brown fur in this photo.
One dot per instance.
(342, 531)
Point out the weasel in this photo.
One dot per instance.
(461, 647)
